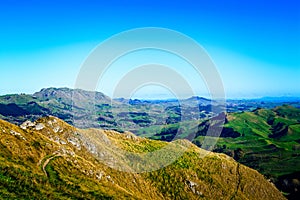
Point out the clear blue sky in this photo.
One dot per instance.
(255, 44)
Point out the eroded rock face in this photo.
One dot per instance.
(27, 124)
(192, 185)
(75, 142)
(18, 135)
(39, 126)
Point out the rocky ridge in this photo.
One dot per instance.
(50, 159)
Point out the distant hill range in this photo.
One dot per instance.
(86, 109)
(49, 159)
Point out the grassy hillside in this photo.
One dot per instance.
(49, 159)
(268, 141)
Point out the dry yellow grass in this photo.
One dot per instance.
(53, 160)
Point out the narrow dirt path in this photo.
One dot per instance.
(238, 176)
(46, 163)
(58, 155)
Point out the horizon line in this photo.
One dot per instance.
(168, 98)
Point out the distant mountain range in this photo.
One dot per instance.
(91, 109)
(280, 99)
(86, 109)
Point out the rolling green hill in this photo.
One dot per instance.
(265, 140)
(49, 159)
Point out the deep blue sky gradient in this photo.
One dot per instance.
(42, 39)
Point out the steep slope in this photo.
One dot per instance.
(266, 140)
(67, 95)
(67, 104)
(49, 159)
